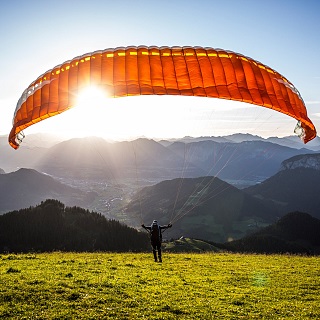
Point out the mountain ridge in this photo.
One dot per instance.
(240, 163)
(291, 190)
(240, 159)
(26, 187)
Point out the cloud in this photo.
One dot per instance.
(313, 102)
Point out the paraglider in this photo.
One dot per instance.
(142, 70)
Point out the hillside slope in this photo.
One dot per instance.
(52, 226)
(206, 208)
(27, 187)
(291, 190)
(311, 161)
(296, 232)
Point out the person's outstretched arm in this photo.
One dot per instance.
(166, 226)
(147, 228)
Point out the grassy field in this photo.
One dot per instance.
(132, 286)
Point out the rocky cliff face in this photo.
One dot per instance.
(311, 161)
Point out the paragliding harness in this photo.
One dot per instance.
(155, 233)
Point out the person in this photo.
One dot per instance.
(155, 231)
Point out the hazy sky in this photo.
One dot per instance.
(38, 35)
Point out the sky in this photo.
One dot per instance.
(38, 35)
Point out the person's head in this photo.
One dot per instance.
(154, 222)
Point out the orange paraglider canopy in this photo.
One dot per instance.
(188, 71)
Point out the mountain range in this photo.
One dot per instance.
(289, 141)
(191, 184)
(97, 158)
(211, 209)
(204, 207)
(250, 161)
(241, 160)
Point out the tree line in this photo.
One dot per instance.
(51, 226)
(295, 233)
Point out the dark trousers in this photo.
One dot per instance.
(156, 246)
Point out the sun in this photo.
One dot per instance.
(91, 97)
(95, 113)
(84, 118)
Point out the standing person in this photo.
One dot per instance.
(155, 232)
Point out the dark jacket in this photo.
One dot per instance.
(155, 231)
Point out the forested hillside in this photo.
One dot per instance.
(296, 232)
(53, 226)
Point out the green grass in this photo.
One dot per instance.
(184, 286)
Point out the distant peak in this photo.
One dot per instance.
(311, 161)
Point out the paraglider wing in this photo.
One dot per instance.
(188, 71)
